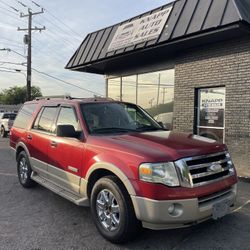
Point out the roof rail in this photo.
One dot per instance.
(53, 97)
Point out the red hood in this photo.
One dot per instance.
(158, 145)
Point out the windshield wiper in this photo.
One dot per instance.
(111, 130)
(147, 128)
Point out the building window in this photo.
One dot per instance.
(211, 112)
(153, 91)
(129, 89)
(114, 88)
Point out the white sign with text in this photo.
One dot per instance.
(140, 30)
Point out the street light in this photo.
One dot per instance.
(11, 50)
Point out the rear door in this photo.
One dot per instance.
(65, 155)
(39, 137)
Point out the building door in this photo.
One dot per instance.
(210, 110)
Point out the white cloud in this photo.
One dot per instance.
(53, 48)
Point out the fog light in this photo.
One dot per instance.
(175, 210)
(171, 209)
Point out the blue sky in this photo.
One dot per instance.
(67, 23)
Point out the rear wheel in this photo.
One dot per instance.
(112, 210)
(24, 171)
(3, 133)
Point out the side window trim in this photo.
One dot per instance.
(74, 110)
(39, 115)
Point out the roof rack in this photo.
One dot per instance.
(53, 97)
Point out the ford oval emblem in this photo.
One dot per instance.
(216, 167)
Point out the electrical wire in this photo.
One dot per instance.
(9, 6)
(65, 82)
(58, 20)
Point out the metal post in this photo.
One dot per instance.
(29, 58)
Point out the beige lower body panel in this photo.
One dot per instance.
(64, 179)
(155, 214)
(39, 167)
(59, 177)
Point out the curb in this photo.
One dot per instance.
(244, 179)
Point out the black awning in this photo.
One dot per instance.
(159, 33)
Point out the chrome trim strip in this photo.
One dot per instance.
(212, 181)
(204, 156)
(204, 174)
(204, 165)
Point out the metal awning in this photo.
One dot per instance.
(159, 34)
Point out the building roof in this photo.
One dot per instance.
(175, 26)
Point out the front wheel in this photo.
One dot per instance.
(112, 210)
(24, 171)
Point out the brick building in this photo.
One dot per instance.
(187, 63)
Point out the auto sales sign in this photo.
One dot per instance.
(140, 30)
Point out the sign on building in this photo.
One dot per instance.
(140, 30)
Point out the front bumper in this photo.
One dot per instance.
(155, 214)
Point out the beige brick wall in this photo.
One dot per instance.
(223, 64)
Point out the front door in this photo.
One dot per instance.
(65, 155)
(211, 113)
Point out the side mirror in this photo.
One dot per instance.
(161, 124)
(66, 131)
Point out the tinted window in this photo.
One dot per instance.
(24, 115)
(9, 116)
(45, 119)
(67, 116)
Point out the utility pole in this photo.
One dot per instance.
(28, 41)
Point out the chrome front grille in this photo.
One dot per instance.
(202, 170)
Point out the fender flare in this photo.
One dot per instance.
(114, 169)
(21, 144)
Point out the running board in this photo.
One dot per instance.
(80, 201)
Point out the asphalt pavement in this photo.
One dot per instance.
(37, 219)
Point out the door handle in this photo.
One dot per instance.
(29, 137)
(53, 144)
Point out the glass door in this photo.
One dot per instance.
(211, 112)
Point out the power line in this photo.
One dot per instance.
(68, 83)
(11, 44)
(5, 9)
(11, 50)
(12, 63)
(56, 18)
(13, 8)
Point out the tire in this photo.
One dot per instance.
(24, 171)
(120, 224)
(3, 133)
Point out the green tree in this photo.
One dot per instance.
(17, 95)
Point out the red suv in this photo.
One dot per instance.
(116, 158)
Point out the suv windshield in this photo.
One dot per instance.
(117, 118)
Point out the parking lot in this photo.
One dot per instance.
(37, 219)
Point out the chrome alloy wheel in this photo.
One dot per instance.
(108, 210)
(23, 170)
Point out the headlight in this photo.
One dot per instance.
(230, 164)
(164, 173)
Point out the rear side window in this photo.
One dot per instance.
(45, 119)
(24, 116)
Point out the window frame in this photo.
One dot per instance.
(74, 109)
(42, 108)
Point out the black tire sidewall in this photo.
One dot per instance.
(29, 182)
(3, 132)
(115, 236)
